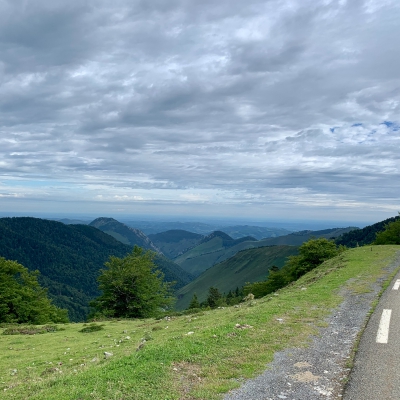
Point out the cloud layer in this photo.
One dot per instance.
(265, 106)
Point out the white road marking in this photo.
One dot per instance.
(383, 330)
(396, 285)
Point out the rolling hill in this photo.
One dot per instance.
(297, 238)
(214, 248)
(250, 265)
(175, 242)
(258, 232)
(235, 231)
(218, 246)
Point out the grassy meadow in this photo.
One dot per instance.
(199, 356)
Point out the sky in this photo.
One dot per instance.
(264, 110)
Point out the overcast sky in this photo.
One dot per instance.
(256, 109)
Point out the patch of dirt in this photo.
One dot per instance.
(187, 377)
(306, 376)
(302, 364)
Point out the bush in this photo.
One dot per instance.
(92, 328)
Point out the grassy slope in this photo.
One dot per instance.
(215, 358)
(249, 265)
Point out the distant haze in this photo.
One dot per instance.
(254, 111)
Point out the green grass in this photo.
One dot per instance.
(174, 363)
(250, 265)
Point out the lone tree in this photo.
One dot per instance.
(22, 299)
(132, 287)
(311, 254)
(214, 297)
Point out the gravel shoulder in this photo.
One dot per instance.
(318, 371)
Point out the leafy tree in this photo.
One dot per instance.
(132, 287)
(391, 234)
(22, 299)
(274, 268)
(194, 303)
(311, 254)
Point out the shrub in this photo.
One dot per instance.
(91, 328)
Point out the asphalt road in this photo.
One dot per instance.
(376, 372)
(319, 371)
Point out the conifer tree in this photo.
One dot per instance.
(194, 303)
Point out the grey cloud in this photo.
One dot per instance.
(180, 95)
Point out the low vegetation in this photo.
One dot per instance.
(199, 356)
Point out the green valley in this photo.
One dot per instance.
(250, 265)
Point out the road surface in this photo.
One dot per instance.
(376, 372)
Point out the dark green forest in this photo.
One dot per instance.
(364, 236)
(68, 258)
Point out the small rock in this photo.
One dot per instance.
(190, 333)
(95, 359)
(127, 337)
(107, 354)
(141, 345)
(13, 371)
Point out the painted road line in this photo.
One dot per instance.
(383, 330)
(396, 285)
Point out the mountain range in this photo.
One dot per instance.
(70, 256)
(218, 246)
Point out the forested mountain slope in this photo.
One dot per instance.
(124, 233)
(250, 265)
(69, 258)
(366, 235)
